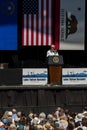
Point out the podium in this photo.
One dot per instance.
(55, 64)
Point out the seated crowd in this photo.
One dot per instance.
(59, 120)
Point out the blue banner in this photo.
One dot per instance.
(8, 25)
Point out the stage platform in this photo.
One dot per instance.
(47, 86)
(43, 97)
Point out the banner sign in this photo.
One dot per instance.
(8, 24)
(35, 76)
(72, 76)
(71, 25)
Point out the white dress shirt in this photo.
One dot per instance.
(52, 53)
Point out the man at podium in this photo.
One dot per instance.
(54, 62)
(52, 51)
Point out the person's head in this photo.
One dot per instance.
(14, 111)
(13, 127)
(52, 47)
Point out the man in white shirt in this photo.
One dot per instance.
(52, 51)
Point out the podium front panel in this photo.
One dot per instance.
(55, 60)
(55, 74)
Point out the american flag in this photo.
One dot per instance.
(37, 27)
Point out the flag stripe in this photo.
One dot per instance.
(37, 28)
(42, 6)
(24, 29)
(57, 24)
(29, 35)
(32, 30)
(50, 41)
(27, 31)
(44, 15)
(47, 22)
